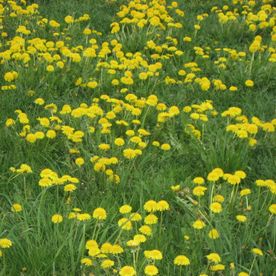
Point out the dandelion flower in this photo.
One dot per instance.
(181, 260)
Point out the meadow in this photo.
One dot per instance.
(137, 137)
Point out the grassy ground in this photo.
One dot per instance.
(70, 89)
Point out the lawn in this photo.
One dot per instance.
(137, 137)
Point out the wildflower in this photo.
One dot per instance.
(175, 188)
(245, 192)
(153, 254)
(151, 219)
(199, 191)
(241, 218)
(50, 68)
(165, 147)
(213, 257)
(135, 217)
(10, 76)
(213, 234)
(151, 270)
(163, 205)
(51, 134)
(57, 218)
(217, 267)
(199, 224)
(70, 188)
(272, 209)
(125, 209)
(119, 142)
(139, 238)
(5, 243)
(249, 83)
(83, 217)
(16, 208)
(9, 122)
(181, 260)
(243, 274)
(129, 153)
(151, 206)
(216, 207)
(79, 161)
(218, 198)
(107, 264)
(39, 101)
(146, 230)
(99, 214)
(198, 180)
(125, 224)
(86, 261)
(127, 271)
(257, 251)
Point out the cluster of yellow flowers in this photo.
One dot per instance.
(106, 108)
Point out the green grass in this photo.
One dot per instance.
(40, 247)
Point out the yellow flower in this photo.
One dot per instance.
(125, 224)
(5, 243)
(51, 134)
(135, 217)
(199, 224)
(39, 101)
(217, 267)
(104, 146)
(153, 254)
(50, 68)
(241, 218)
(151, 206)
(213, 234)
(139, 238)
(249, 83)
(10, 76)
(86, 261)
(146, 230)
(16, 207)
(125, 209)
(79, 161)
(99, 214)
(213, 257)
(199, 191)
(215, 207)
(9, 122)
(107, 264)
(119, 142)
(245, 192)
(198, 180)
(129, 153)
(165, 147)
(257, 251)
(92, 84)
(70, 188)
(151, 270)
(127, 271)
(163, 205)
(243, 274)
(218, 198)
(83, 217)
(57, 218)
(69, 19)
(151, 219)
(175, 188)
(272, 209)
(181, 260)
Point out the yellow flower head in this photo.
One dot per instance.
(181, 260)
